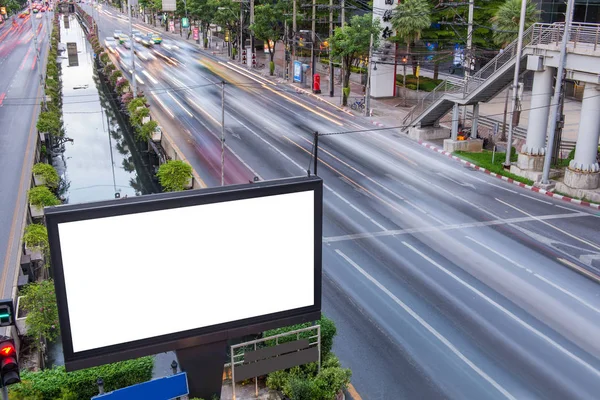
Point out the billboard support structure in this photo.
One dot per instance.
(204, 366)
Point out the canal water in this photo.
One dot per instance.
(103, 161)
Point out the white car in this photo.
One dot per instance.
(110, 42)
(117, 34)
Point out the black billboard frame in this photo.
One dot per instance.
(194, 337)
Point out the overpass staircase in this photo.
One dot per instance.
(486, 83)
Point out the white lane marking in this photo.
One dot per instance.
(542, 278)
(500, 187)
(465, 225)
(163, 105)
(383, 228)
(507, 313)
(465, 184)
(436, 219)
(552, 226)
(533, 198)
(181, 105)
(150, 77)
(429, 328)
(567, 208)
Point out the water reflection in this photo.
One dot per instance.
(98, 164)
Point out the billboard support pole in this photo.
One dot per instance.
(204, 366)
(316, 159)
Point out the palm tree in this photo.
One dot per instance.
(410, 18)
(506, 29)
(507, 18)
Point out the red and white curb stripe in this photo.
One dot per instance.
(510, 180)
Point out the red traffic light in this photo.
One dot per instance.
(7, 350)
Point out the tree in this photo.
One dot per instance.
(352, 42)
(269, 26)
(409, 20)
(227, 15)
(174, 175)
(507, 18)
(39, 301)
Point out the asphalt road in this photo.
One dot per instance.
(19, 105)
(444, 282)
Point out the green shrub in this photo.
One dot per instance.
(138, 115)
(114, 76)
(300, 389)
(104, 58)
(135, 103)
(47, 172)
(35, 237)
(271, 67)
(51, 384)
(145, 132)
(411, 86)
(174, 175)
(39, 301)
(109, 68)
(41, 196)
(328, 332)
(49, 122)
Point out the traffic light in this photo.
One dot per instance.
(9, 366)
(7, 312)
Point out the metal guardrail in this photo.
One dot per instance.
(581, 34)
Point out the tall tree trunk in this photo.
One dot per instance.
(346, 82)
(436, 69)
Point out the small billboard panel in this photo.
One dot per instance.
(169, 5)
(138, 276)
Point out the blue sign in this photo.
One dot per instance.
(165, 388)
(297, 71)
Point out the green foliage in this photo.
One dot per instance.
(145, 132)
(271, 68)
(135, 103)
(39, 301)
(351, 43)
(104, 58)
(41, 196)
(109, 68)
(49, 122)
(174, 175)
(426, 84)
(47, 172)
(51, 384)
(328, 332)
(138, 115)
(269, 23)
(484, 159)
(36, 237)
(410, 19)
(507, 18)
(300, 389)
(114, 76)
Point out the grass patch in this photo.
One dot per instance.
(426, 84)
(484, 160)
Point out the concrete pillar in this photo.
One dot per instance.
(589, 131)
(537, 128)
(455, 118)
(475, 123)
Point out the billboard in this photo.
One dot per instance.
(169, 5)
(297, 71)
(139, 276)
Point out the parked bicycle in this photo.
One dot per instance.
(358, 105)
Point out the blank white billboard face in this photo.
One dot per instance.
(138, 276)
(169, 5)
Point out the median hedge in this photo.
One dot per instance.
(50, 384)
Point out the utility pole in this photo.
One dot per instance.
(241, 30)
(222, 133)
(516, 81)
(343, 6)
(557, 92)
(469, 58)
(251, 32)
(368, 91)
(313, 66)
(331, 67)
(293, 40)
(131, 42)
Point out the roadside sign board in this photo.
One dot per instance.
(185, 22)
(168, 387)
(3, 10)
(169, 5)
(297, 71)
(172, 26)
(195, 33)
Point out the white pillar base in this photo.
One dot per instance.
(428, 133)
(528, 166)
(581, 180)
(470, 145)
(581, 167)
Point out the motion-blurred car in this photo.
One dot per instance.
(117, 34)
(38, 16)
(24, 14)
(123, 38)
(43, 9)
(155, 38)
(35, 11)
(126, 42)
(110, 42)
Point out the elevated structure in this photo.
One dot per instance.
(540, 55)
